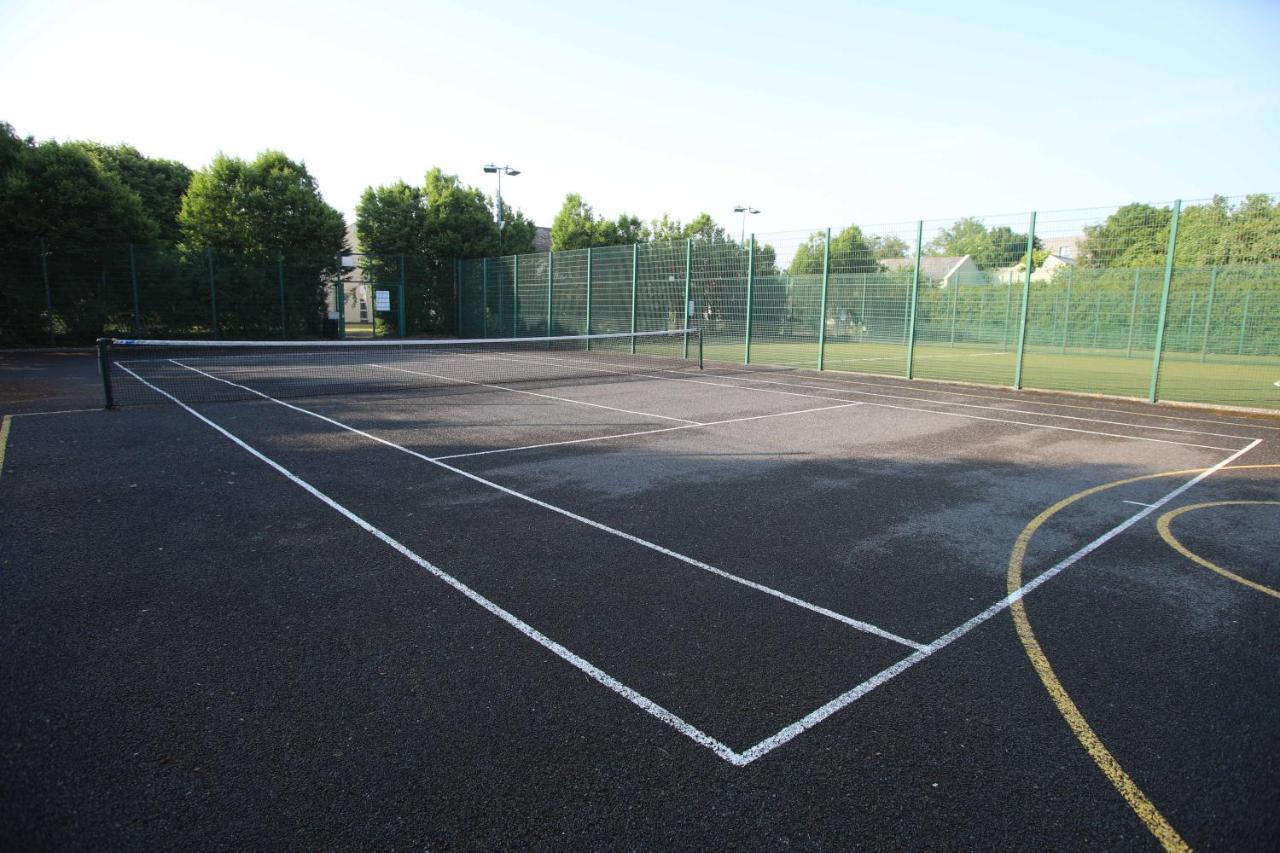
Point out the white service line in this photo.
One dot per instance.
(580, 663)
(845, 699)
(1135, 503)
(681, 378)
(535, 394)
(641, 432)
(58, 412)
(856, 624)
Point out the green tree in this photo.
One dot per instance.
(391, 220)
(517, 233)
(159, 184)
(459, 221)
(1136, 235)
(575, 226)
(885, 246)
(850, 253)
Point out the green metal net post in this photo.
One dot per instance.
(1133, 312)
(551, 278)
(1164, 300)
(588, 325)
(912, 301)
(48, 291)
(822, 300)
(1208, 314)
(284, 320)
(104, 371)
(137, 303)
(635, 266)
(688, 282)
(1026, 301)
(213, 295)
(751, 274)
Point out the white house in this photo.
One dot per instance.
(942, 271)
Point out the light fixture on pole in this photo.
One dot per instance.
(500, 171)
(744, 210)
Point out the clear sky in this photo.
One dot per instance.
(818, 113)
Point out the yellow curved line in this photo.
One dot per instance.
(1107, 763)
(4, 438)
(1167, 535)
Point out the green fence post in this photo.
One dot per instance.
(515, 296)
(1026, 302)
(1066, 313)
(1097, 320)
(403, 325)
(1008, 309)
(955, 298)
(1133, 312)
(635, 266)
(1191, 318)
(551, 278)
(340, 300)
(1208, 314)
(484, 298)
(284, 321)
(48, 291)
(862, 302)
(1244, 321)
(1164, 300)
(137, 303)
(751, 275)
(688, 283)
(457, 294)
(213, 295)
(912, 302)
(822, 301)
(982, 312)
(588, 297)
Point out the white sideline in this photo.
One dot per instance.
(680, 377)
(585, 666)
(536, 394)
(641, 432)
(856, 624)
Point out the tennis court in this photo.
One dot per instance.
(572, 592)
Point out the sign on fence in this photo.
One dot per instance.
(382, 300)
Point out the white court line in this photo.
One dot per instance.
(1135, 503)
(903, 357)
(641, 432)
(580, 663)
(845, 699)
(535, 394)
(1001, 409)
(856, 624)
(683, 378)
(1030, 400)
(58, 412)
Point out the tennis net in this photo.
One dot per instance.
(147, 371)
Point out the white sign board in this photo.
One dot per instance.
(382, 300)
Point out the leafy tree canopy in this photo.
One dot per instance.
(1000, 246)
(1136, 235)
(850, 253)
(159, 184)
(259, 208)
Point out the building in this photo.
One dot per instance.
(942, 271)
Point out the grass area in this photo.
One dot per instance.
(1184, 377)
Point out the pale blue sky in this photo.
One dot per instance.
(818, 113)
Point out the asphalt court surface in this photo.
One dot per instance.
(720, 608)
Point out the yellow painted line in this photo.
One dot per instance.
(1167, 535)
(1107, 763)
(4, 438)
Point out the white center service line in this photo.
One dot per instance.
(856, 624)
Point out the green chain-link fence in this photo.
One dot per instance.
(1176, 302)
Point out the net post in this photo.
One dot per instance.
(1208, 314)
(751, 274)
(1133, 311)
(688, 281)
(635, 265)
(284, 322)
(484, 298)
(588, 297)
(402, 294)
(515, 295)
(48, 291)
(213, 294)
(1164, 300)
(137, 305)
(104, 369)
(912, 300)
(551, 278)
(822, 301)
(1026, 299)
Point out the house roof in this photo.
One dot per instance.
(931, 267)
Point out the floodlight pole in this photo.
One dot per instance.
(493, 168)
(744, 209)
